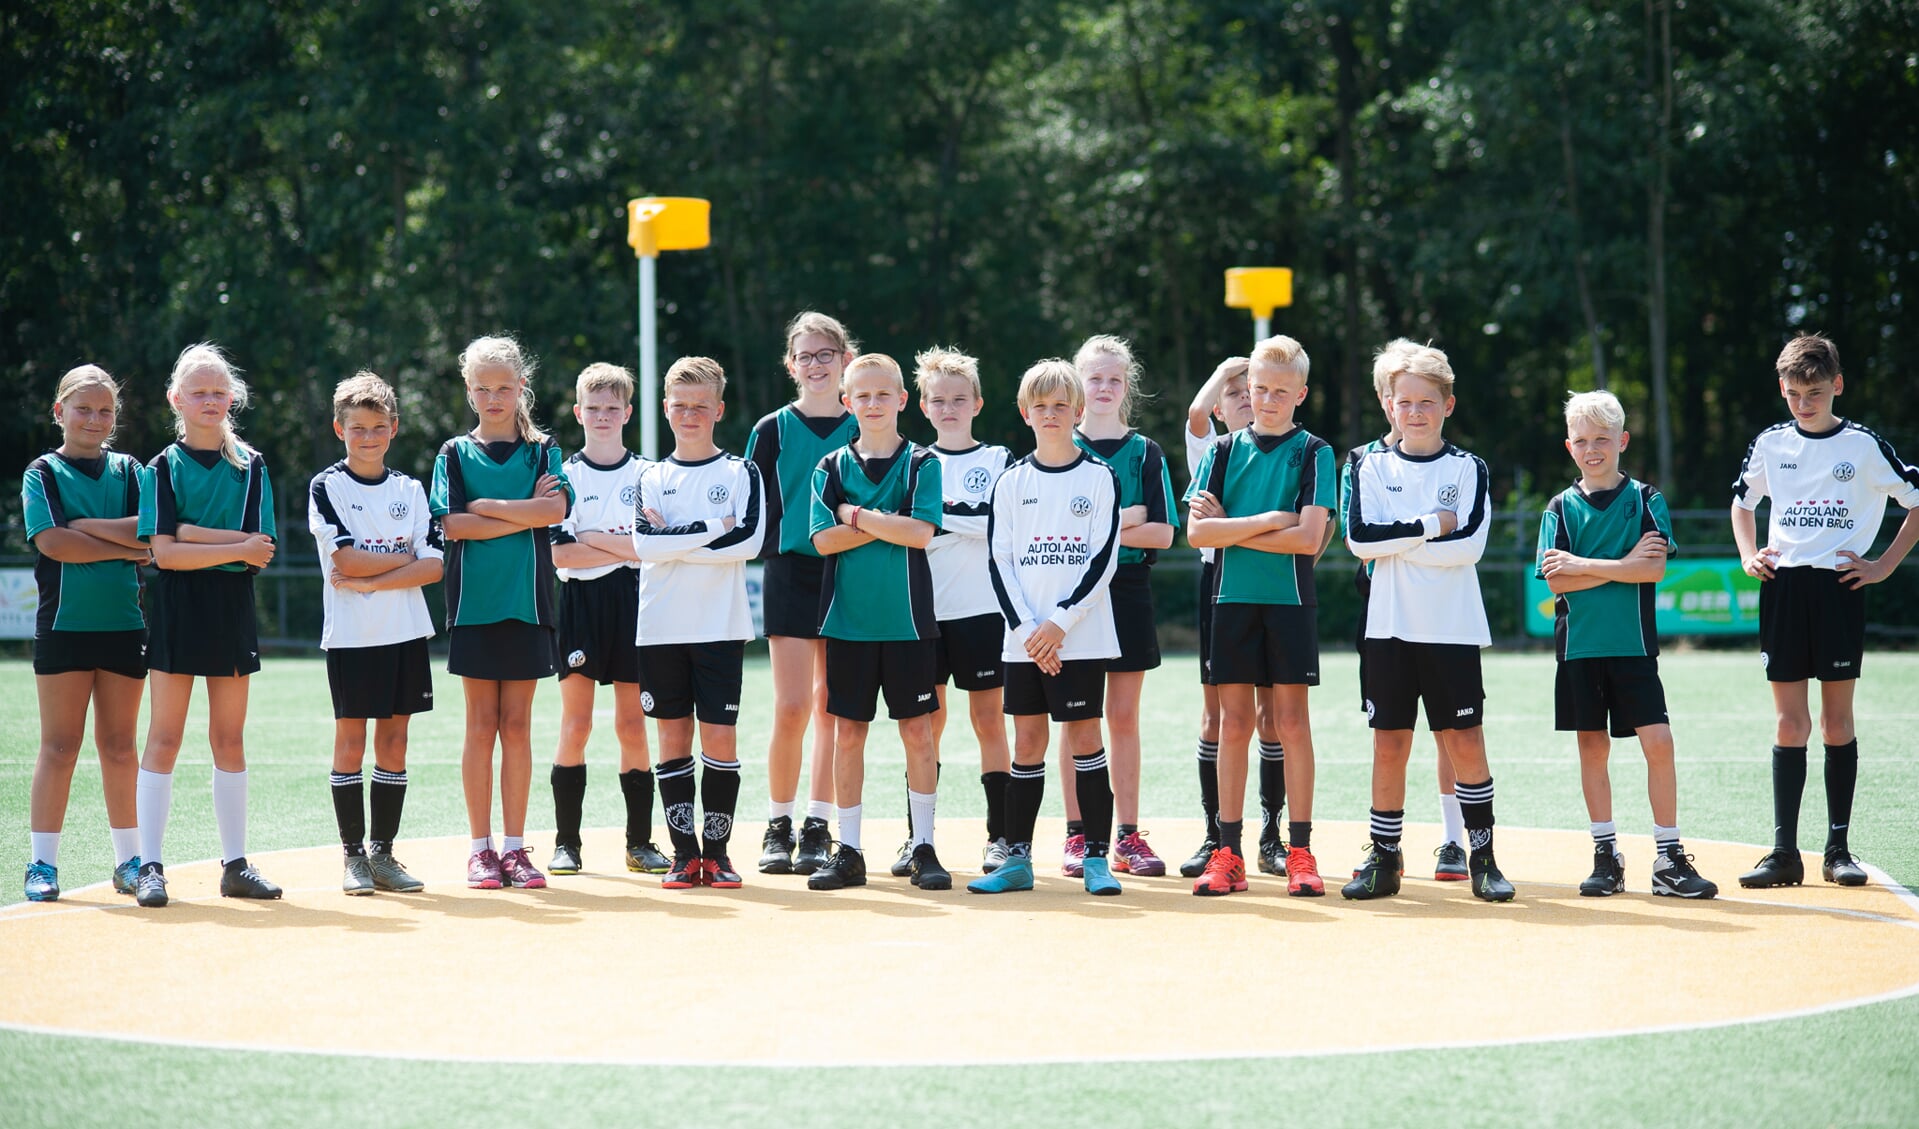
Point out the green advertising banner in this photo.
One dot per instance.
(1703, 597)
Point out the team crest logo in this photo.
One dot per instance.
(628, 494)
(1449, 495)
(576, 659)
(1298, 459)
(977, 480)
(680, 818)
(1844, 472)
(716, 494)
(1765, 660)
(1081, 505)
(396, 511)
(646, 700)
(718, 826)
(1369, 709)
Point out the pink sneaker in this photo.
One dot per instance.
(520, 871)
(1074, 863)
(1131, 855)
(483, 870)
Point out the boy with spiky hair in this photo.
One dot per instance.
(1603, 546)
(1829, 479)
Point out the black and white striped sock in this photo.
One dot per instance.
(386, 800)
(675, 778)
(1209, 786)
(1272, 787)
(1024, 791)
(1387, 826)
(1476, 805)
(349, 811)
(1094, 787)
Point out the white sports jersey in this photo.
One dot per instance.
(384, 515)
(603, 503)
(1828, 490)
(693, 571)
(1425, 586)
(1054, 533)
(1196, 448)
(958, 554)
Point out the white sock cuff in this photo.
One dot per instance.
(819, 809)
(777, 810)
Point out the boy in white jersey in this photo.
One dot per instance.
(378, 546)
(1419, 509)
(1054, 535)
(699, 519)
(1829, 480)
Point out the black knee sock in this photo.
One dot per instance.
(569, 797)
(719, 794)
(1476, 811)
(1025, 787)
(1094, 787)
(1272, 788)
(1209, 786)
(636, 788)
(349, 810)
(1842, 773)
(676, 800)
(1788, 785)
(995, 784)
(1387, 827)
(386, 799)
(1299, 834)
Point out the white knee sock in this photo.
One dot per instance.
(850, 826)
(46, 847)
(126, 843)
(921, 805)
(152, 800)
(1454, 818)
(230, 812)
(779, 810)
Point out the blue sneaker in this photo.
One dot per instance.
(126, 876)
(1098, 875)
(43, 883)
(1016, 873)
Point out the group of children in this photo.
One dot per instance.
(891, 569)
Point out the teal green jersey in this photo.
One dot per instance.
(788, 447)
(1143, 481)
(1252, 474)
(187, 486)
(500, 578)
(1613, 620)
(879, 591)
(99, 595)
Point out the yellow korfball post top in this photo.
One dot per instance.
(667, 223)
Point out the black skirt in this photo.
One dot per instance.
(202, 623)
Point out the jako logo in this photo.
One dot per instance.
(1076, 705)
(1467, 712)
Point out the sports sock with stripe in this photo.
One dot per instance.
(152, 801)
(1387, 826)
(636, 788)
(719, 795)
(921, 804)
(1093, 785)
(1272, 787)
(386, 799)
(1842, 775)
(1788, 785)
(349, 811)
(1663, 837)
(676, 799)
(1025, 787)
(230, 813)
(1209, 786)
(994, 784)
(1451, 816)
(1476, 805)
(569, 799)
(1606, 835)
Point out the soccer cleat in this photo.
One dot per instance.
(1196, 866)
(1378, 874)
(566, 859)
(1780, 867)
(1016, 873)
(43, 883)
(126, 876)
(776, 847)
(1672, 874)
(846, 868)
(1225, 873)
(1451, 866)
(238, 879)
(647, 859)
(1609, 874)
(1840, 869)
(483, 870)
(719, 873)
(926, 871)
(388, 874)
(993, 856)
(517, 869)
(1074, 856)
(1272, 855)
(1488, 884)
(358, 879)
(687, 871)
(1131, 855)
(152, 890)
(903, 862)
(816, 847)
(1302, 874)
(1097, 874)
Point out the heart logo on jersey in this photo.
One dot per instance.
(977, 480)
(716, 494)
(396, 511)
(1081, 505)
(1449, 495)
(628, 495)
(1844, 472)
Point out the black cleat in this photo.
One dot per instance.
(903, 862)
(150, 889)
(1780, 867)
(847, 867)
(1196, 866)
(1609, 874)
(647, 858)
(927, 872)
(239, 880)
(687, 871)
(776, 849)
(1378, 875)
(1450, 863)
(719, 873)
(1840, 869)
(816, 846)
(1488, 884)
(1673, 875)
(1272, 855)
(566, 859)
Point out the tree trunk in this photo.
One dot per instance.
(1659, 73)
(1352, 381)
(1569, 166)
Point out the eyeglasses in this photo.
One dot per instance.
(823, 357)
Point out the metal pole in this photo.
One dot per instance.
(649, 360)
(1262, 329)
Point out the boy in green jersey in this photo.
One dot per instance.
(1603, 546)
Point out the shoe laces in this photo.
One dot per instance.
(1300, 862)
(1222, 862)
